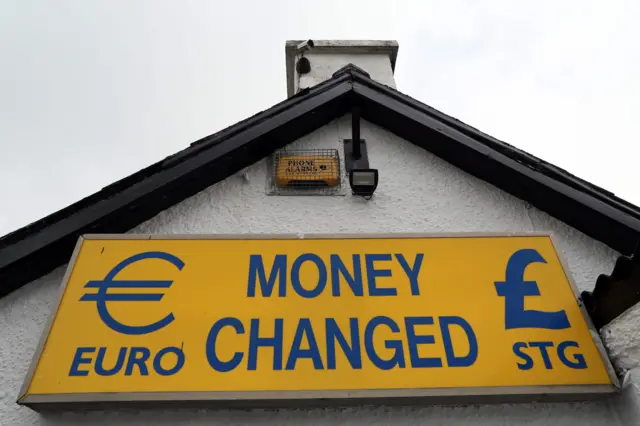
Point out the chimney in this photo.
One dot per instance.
(324, 57)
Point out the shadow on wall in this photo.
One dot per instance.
(583, 414)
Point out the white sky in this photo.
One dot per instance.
(92, 91)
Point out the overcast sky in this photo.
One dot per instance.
(92, 91)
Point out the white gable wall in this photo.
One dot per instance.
(417, 192)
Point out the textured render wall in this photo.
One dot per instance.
(417, 193)
(622, 338)
(323, 65)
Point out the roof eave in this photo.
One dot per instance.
(38, 248)
(182, 176)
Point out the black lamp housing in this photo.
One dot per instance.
(303, 66)
(363, 182)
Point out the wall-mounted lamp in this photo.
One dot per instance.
(363, 182)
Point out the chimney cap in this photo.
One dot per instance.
(390, 47)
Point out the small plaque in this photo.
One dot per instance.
(307, 170)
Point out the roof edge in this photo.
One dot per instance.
(147, 172)
(35, 250)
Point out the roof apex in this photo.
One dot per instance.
(36, 249)
(350, 69)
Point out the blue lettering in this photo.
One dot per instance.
(412, 271)
(452, 359)
(99, 367)
(579, 362)
(396, 345)
(352, 352)
(157, 361)
(256, 342)
(139, 361)
(78, 360)
(338, 268)
(528, 361)
(373, 273)
(257, 271)
(137, 357)
(542, 346)
(295, 275)
(212, 357)
(414, 340)
(304, 329)
(514, 290)
(101, 297)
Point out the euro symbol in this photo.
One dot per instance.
(514, 290)
(102, 297)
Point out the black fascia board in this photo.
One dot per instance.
(38, 248)
(506, 149)
(35, 250)
(597, 214)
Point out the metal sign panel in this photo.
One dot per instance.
(228, 318)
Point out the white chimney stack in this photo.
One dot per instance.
(377, 57)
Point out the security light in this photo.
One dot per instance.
(363, 182)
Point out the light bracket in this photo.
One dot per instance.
(351, 160)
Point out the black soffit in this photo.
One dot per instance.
(38, 248)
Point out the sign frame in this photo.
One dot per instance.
(319, 398)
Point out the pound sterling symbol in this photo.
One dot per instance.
(515, 288)
(101, 297)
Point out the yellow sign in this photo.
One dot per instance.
(316, 170)
(286, 317)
